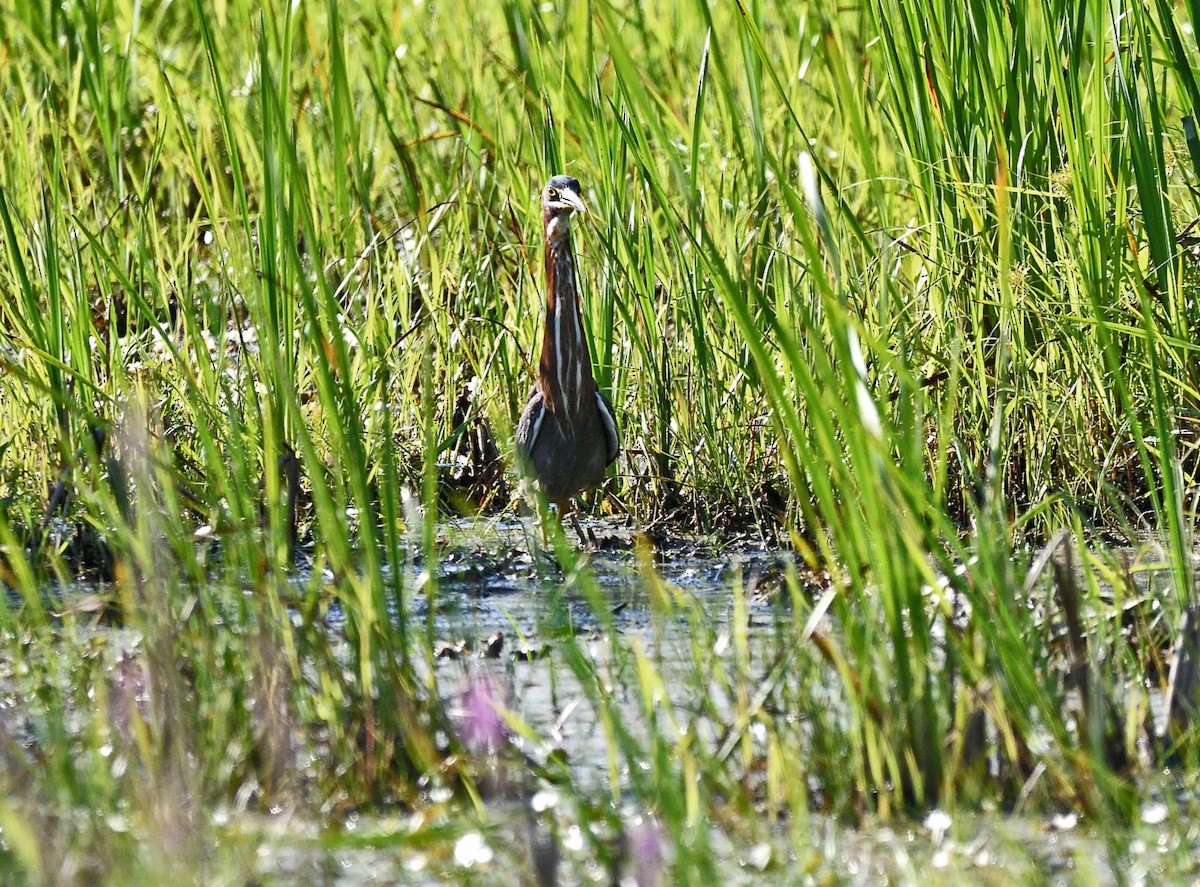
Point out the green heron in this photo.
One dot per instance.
(567, 435)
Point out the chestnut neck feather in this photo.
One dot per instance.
(566, 366)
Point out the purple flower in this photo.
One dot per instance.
(483, 729)
(646, 850)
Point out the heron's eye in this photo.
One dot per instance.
(552, 193)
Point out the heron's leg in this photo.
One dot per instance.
(588, 540)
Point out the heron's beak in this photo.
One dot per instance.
(573, 200)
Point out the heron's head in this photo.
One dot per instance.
(560, 200)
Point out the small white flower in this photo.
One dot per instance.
(1064, 822)
(938, 822)
(573, 839)
(472, 849)
(1154, 814)
(759, 856)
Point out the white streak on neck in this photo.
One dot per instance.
(558, 228)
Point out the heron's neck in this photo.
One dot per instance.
(566, 367)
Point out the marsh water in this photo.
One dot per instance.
(493, 605)
(500, 607)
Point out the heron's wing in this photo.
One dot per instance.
(609, 420)
(530, 423)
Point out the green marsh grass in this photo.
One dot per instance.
(907, 289)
